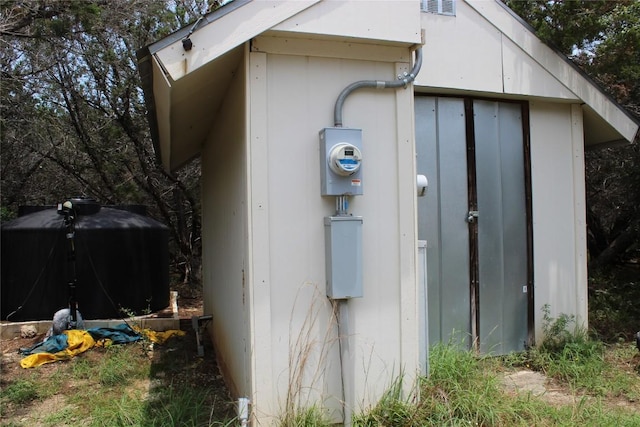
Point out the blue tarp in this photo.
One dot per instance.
(120, 334)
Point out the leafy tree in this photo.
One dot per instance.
(603, 38)
(73, 119)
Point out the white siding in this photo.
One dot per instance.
(259, 277)
(559, 230)
(301, 94)
(461, 52)
(224, 224)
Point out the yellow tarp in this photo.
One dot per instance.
(157, 336)
(80, 341)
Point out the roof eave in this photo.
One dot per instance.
(169, 58)
(145, 61)
(630, 135)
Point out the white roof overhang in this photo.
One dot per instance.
(183, 89)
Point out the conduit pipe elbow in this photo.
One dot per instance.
(407, 79)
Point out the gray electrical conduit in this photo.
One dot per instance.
(340, 308)
(377, 84)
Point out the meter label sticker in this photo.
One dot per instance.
(348, 164)
(356, 182)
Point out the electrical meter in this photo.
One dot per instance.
(341, 161)
(344, 159)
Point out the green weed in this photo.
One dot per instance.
(569, 355)
(20, 391)
(121, 365)
(180, 406)
(63, 417)
(464, 389)
(81, 368)
(306, 417)
(391, 410)
(460, 389)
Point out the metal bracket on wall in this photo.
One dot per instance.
(198, 327)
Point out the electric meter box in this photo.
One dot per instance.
(341, 161)
(343, 256)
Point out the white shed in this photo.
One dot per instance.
(498, 123)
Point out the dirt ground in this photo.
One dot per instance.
(189, 369)
(204, 371)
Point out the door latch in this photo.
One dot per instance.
(472, 217)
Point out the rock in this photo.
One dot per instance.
(28, 331)
(525, 381)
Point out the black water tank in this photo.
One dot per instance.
(121, 263)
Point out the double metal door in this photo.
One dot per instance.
(476, 221)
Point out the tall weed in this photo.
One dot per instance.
(312, 416)
(460, 389)
(568, 354)
(391, 410)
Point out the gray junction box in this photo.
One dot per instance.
(343, 253)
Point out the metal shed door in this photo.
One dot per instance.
(475, 221)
